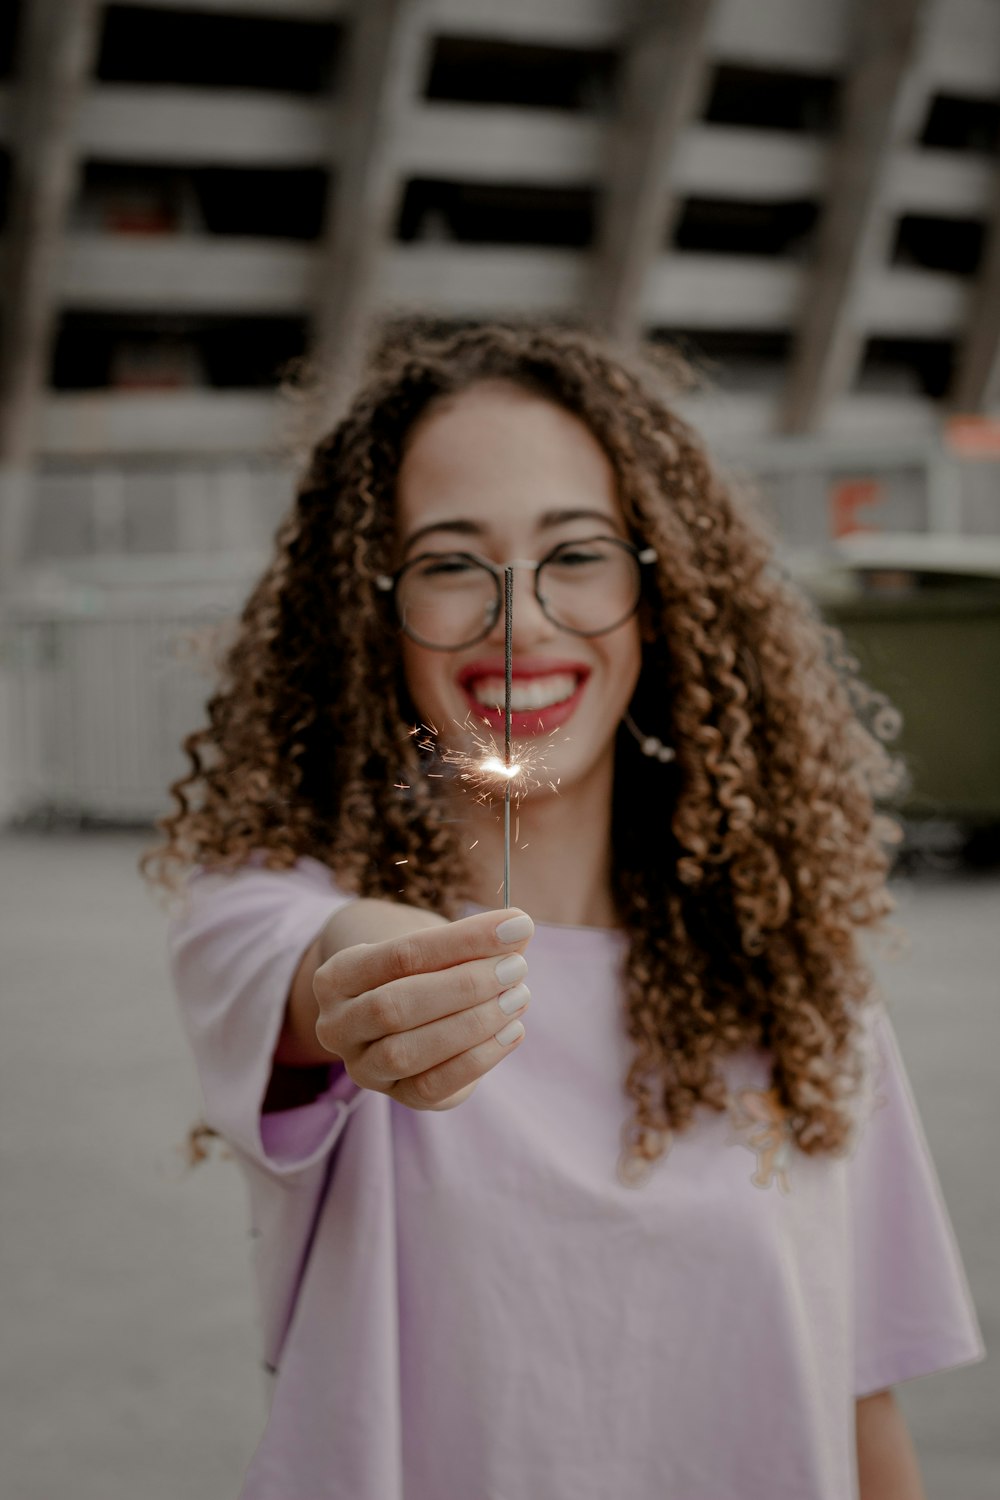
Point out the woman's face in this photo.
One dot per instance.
(506, 474)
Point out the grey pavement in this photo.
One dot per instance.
(130, 1362)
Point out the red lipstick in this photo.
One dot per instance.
(530, 722)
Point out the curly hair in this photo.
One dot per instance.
(743, 871)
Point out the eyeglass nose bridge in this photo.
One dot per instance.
(525, 565)
(386, 583)
(646, 555)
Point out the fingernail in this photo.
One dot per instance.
(512, 968)
(510, 1033)
(515, 929)
(512, 1000)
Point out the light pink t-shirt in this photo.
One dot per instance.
(469, 1305)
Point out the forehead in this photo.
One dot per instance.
(498, 450)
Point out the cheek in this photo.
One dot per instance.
(424, 676)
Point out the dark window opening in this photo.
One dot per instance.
(10, 16)
(955, 124)
(279, 204)
(476, 71)
(770, 100)
(924, 366)
(96, 351)
(396, 327)
(217, 51)
(726, 227)
(954, 245)
(496, 214)
(738, 358)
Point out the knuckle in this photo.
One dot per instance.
(402, 958)
(328, 1033)
(469, 984)
(472, 1027)
(325, 983)
(427, 1089)
(394, 1055)
(385, 1010)
(338, 970)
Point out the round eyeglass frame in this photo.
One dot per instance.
(389, 583)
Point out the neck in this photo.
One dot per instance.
(560, 864)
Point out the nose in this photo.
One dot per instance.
(529, 623)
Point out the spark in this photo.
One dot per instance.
(496, 767)
(483, 768)
(401, 861)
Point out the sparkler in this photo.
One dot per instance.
(488, 771)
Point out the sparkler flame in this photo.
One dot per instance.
(484, 769)
(495, 766)
(482, 766)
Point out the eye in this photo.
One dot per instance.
(444, 565)
(579, 557)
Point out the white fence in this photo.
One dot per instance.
(100, 685)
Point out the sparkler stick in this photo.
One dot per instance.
(508, 605)
(485, 772)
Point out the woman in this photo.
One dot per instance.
(667, 1225)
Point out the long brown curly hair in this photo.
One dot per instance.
(743, 871)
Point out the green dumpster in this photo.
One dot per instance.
(922, 615)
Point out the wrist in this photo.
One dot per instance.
(372, 920)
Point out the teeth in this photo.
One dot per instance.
(535, 692)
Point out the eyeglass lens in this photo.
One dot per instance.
(451, 601)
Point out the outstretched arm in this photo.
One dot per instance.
(887, 1460)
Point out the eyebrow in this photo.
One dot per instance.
(545, 522)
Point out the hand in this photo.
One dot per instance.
(417, 1017)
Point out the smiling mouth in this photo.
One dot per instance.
(526, 693)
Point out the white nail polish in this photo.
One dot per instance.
(515, 929)
(510, 1033)
(512, 1000)
(512, 968)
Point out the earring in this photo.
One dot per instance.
(650, 745)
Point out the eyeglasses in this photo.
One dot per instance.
(447, 600)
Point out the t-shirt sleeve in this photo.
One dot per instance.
(913, 1308)
(234, 949)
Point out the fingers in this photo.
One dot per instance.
(420, 1017)
(357, 970)
(404, 1004)
(407, 1054)
(436, 1085)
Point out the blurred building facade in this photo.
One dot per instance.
(803, 194)
(804, 199)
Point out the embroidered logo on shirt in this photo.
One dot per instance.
(770, 1135)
